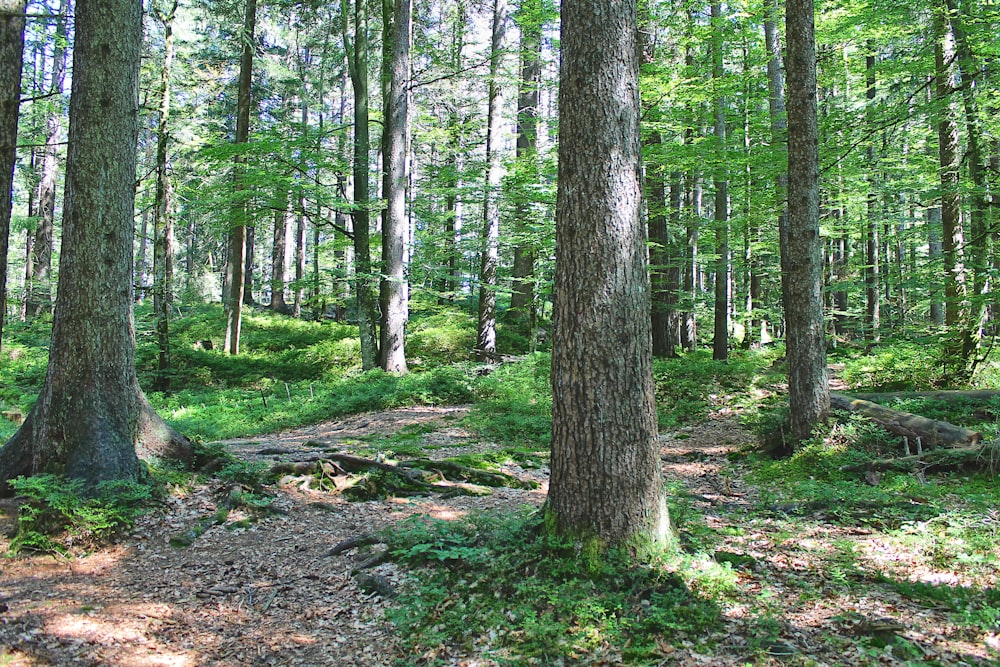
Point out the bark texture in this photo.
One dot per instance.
(802, 277)
(606, 483)
(393, 290)
(91, 412)
(11, 50)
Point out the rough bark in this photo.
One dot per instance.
(357, 59)
(659, 260)
(278, 251)
(393, 289)
(163, 223)
(11, 54)
(91, 412)
(802, 275)
(489, 260)
(237, 254)
(606, 487)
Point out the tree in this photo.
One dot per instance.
(163, 223)
(91, 413)
(356, 50)
(606, 487)
(11, 53)
(393, 291)
(720, 339)
(236, 258)
(808, 390)
(486, 339)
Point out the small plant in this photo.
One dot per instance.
(58, 512)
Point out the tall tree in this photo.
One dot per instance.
(163, 223)
(720, 341)
(486, 340)
(11, 54)
(394, 291)
(236, 257)
(91, 413)
(522, 299)
(606, 487)
(356, 48)
(808, 389)
(38, 263)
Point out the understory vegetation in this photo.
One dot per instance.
(930, 538)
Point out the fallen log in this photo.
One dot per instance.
(972, 395)
(931, 432)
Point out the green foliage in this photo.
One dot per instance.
(57, 512)
(514, 404)
(528, 599)
(894, 366)
(689, 387)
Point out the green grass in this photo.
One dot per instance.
(494, 584)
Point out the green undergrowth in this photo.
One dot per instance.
(57, 515)
(494, 585)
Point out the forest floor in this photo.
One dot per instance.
(268, 592)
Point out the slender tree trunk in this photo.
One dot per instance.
(248, 265)
(779, 123)
(357, 57)
(606, 488)
(11, 55)
(934, 255)
(486, 339)
(38, 271)
(163, 224)
(720, 344)
(91, 413)
(238, 233)
(873, 296)
(522, 299)
(659, 260)
(300, 257)
(952, 237)
(394, 290)
(279, 250)
(808, 389)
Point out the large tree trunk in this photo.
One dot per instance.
(394, 290)
(163, 223)
(91, 411)
(808, 390)
(238, 233)
(11, 54)
(606, 487)
(486, 338)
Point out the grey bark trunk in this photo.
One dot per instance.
(91, 413)
(808, 389)
(606, 487)
(11, 55)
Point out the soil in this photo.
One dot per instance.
(270, 593)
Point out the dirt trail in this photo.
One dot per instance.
(268, 593)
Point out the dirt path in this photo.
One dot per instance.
(269, 593)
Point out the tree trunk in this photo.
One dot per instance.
(486, 338)
(163, 224)
(394, 290)
(238, 234)
(357, 59)
(11, 54)
(720, 341)
(91, 412)
(808, 389)
(248, 263)
(873, 294)
(659, 260)
(38, 268)
(279, 250)
(930, 432)
(949, 160)
(606, 488)
(522, 299)
(778, 122)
